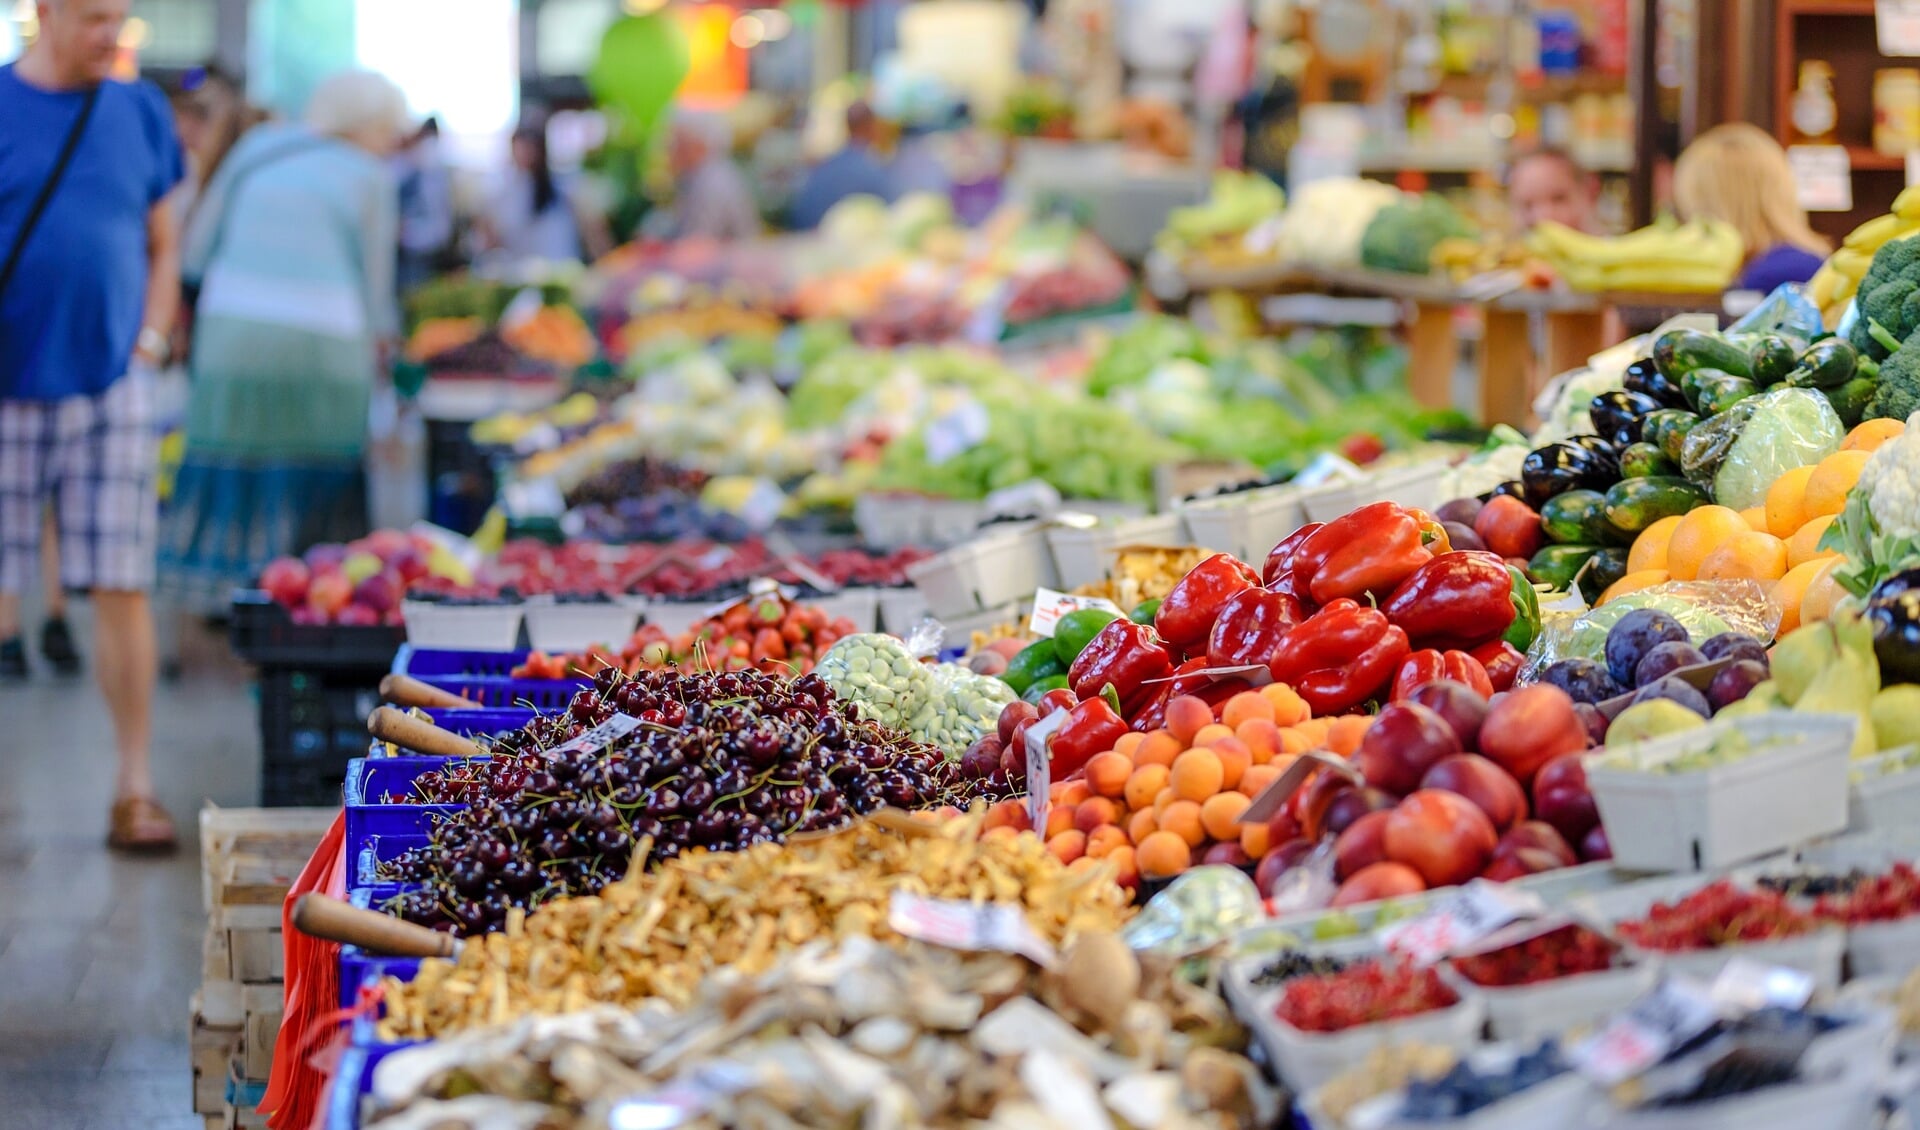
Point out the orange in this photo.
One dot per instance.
(1107, 773)
(1220, 816)
(1749, 556)
(1182, 818)
(1103, 840)
(1634, 582)
(1832, 478)
(1823, 591)
(1095, 812)
(1160, 748)
(1257, 777)
(1262, 738)
(1186, 715)
(1868, 435)
(1129, 742)
(1125, 871)
(1756, 518)
(1787, 502)
(1211, 733)
(1141, 825)
(1068, 846)
(1790, 593)
(1245, 706)
(1146, 782)
(1162, 856)
(1650, 548)
(1198, 774)
(1288, 706)
(1701, 531)
(1060, 819)
(1343, 736)
(1804, 545)
(1235, 760)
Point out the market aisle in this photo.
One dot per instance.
(98, 955)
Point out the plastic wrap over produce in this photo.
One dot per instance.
(1200, 909)
(1704, 608)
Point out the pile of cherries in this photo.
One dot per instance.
(716, 761)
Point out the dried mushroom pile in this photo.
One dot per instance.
(866, 1035)
(661, 933)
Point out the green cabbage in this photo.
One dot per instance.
(1790, 427)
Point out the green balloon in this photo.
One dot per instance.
(642, 62)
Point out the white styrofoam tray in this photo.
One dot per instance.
(1787, 794)
(1307, 1060)
(557, 626)
(1247, 524)
(1883, 791)
(462, 627)
(1527, 1014)
(1415, 485)
(1083, 556)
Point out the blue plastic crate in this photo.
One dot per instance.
(365, 1037)
(369, 778)
(357, 966)
(426, 662)
(363, 865)
(482, 720)
(345, 1091)
(482, 676)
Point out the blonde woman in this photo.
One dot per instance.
(1738, 174)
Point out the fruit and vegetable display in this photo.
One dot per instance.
(1568, 951)
(689, 570)
(1402, 236)
(767, 633)
(1214, 232)
(1366, 992)
(361, 583)
(1839, 279)
(1719, 914)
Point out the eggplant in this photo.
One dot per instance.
(1893, 609)
(1645, 378)
(1512, 488)
(1561, 467)
(1607, 454)
(1620, 412)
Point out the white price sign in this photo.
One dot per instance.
(1040, 768)
(1049, 606)
(1896, 24)
(967, 925)
(1678, 1009)
(1823, 176)
(1475, 911)
(618, 726)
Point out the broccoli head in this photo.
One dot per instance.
(1898, 394)
(1892, 278)
(1401, 236)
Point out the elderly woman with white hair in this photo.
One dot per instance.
(293, 251)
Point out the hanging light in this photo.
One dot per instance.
(749, 31)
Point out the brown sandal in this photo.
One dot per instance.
(140, 825)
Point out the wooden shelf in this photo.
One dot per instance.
(1826, 7)
(1865, 158)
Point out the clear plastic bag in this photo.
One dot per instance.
(1782, 430)
(1199, 910)
(1704, 608)
(1786, 311)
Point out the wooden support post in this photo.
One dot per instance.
(1433, 355)
(1506, 364)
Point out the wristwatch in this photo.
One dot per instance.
(153, 343)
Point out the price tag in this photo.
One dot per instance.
(1049, 605)
(996, 926)
(1745, 985)
(618, 726)
(1824, 177)
(1675, 1011)
(543, 436)
(1040, 767)
(1475, 911)
(957, 432)
(1896, 24)
(1258, 674)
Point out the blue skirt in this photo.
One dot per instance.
(228, 517)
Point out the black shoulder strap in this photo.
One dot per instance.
(46, 190)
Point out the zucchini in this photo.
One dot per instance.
(1635, 504)
(1667, 429)
(1721, 393)
(1570, 518)
(1825, 364)
(1850, 400)
(1555, 565)
(1679, 352)
(1642, 460)
(1604, 568)
(1772, 357)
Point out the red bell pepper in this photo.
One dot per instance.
(1187, 614)
(1457, 600)
(1091, 727)
(1340, 657)
(1502, 661)
(1370, 550)
(1280, 558)
(1127, 655)
(1053, 702)
(1250, 627)
(1429, 666)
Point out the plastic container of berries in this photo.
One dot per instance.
(1845, 1102)
(1563, 1100)
(1527, 1014)
(1817, 953)
(462, 627)
(1414, 485)
(1244, 523)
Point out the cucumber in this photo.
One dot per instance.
(1679, 352)
(1604, 568)
(1667, 429)
(1721, 393)
(1772, 357)
(1641, 460)
(1570, 518)
(1828, 363)
(1691, 383)
(1555, 565)
(1850, 400)
(1635, 504)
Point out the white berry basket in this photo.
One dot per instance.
(1527, 1014)
(901, 609)
(1247, 524)
(1306, 1060)
(997, 568)
(1883, 791)
(1817, 953)
(1788, 793)
(891, 521)
(1083, 555)
(1565, 1100)
(462, 627)
(566, 626)
(1850, 1101)
(676, 616)
(862, 606)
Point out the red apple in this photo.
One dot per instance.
(1519, 863)
(329, 593)
(1381, 881)
(1562, 799)
(411, 565)
(1350, 805)
(1013, 766)
(1530, 726)
(285, 580)
(1012, 715)
(1458, 705)
(1277, 862)
(380, 592)
(306, 614)
(1402, 744)
(386, 544)
(1487, 785)
(1228, 853)
(1442, 835)
(1312, 803)
(1361, 845)
(357, 616)
(1537, 835)
(1594, 846)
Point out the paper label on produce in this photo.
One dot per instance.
(957, 432)
(961, 925)
(1274, 797)
(1256, 674)
(1049, 605)
(1470, 914)
(1823, 176)
(1675, 1011)
(521, 310)
(618, 726)
(1896, 25)
(1040, 767)
(1746, 985)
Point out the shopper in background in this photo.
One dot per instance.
(854, 170)
(536, 213)
(211, 113)
(294, 250)
(1548, 184)
(88, 286)
(426, 206)
(1738, 174)
(711, 198)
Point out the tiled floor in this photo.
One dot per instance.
(98, 954)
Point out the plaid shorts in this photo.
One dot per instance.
(95, 460)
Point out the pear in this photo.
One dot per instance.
(1801, 656)
(1762, 698)
(1651, 719)
(1896, 716)
(1846, 685)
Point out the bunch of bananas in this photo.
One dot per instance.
(1665, 258)
(1833, 285)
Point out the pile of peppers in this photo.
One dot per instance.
(1361, 609)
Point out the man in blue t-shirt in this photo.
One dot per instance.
(85, 165)
(854, 170)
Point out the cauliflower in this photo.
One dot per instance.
(1879, 529)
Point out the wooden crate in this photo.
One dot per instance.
(256, 1047)
(255, 956)
(243, 1099)
(255, 849)
(211, 1051)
